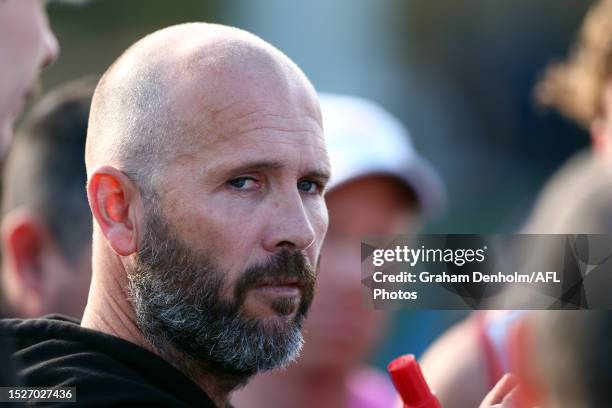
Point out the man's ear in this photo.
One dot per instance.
(24, 238)
(113, 199)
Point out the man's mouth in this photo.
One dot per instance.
(280, 287)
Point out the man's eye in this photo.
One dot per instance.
(242, 183)
(308, 186)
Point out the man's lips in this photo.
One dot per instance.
(288, 287)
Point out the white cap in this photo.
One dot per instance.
(363, 139)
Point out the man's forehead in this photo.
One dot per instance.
(253, 125)
(227, 111)
(301, 151)
(222, 143)
(226, 97)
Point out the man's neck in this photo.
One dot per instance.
(108, 309)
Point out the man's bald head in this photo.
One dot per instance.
(182, 85)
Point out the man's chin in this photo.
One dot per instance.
(273, 342)
(268, 305)
(276, 324)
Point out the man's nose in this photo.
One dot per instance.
(51, 48)
(290, 226)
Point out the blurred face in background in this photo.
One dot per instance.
(27, 44)
(341, 330)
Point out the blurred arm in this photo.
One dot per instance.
(455, 367)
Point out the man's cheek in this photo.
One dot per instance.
(321, 232)
(233, 258)
(318, 216)
(324, 218)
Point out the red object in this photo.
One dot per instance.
(410, 383)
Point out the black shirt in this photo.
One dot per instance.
(107, 371)
(7, 373)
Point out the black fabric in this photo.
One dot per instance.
(107, 371)
(7, 373)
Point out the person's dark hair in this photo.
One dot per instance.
(45, 167)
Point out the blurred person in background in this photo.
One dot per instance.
(470, 358)
(581, 89)
(27, 45)
(380, 185)
(46, 262)
(563, 360)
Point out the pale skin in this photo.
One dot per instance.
(503, 395)
(27, 45)
(244, 180)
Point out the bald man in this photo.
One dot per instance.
(206, 170)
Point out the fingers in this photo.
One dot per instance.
(502, 394)
(511, 399)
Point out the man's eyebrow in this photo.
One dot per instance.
(257, 165)
(322, 174)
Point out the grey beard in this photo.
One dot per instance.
(180, 309)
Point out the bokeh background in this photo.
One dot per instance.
(459, 73)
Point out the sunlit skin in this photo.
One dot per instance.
(254, 193)
(340, 330)
(242, 174)
(27, 44)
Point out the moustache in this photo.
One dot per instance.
(285, 268)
